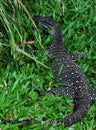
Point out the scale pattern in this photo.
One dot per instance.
(70, 74)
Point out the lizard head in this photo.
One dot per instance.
(47, 23)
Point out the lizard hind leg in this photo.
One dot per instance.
(74, 55)
(62, 90)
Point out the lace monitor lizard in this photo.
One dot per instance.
(70, 74)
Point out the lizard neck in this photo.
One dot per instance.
(57, 48)
(57, 42)
(58, 35)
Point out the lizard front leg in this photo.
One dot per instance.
(74, 55)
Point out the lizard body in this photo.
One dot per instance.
(70, 74)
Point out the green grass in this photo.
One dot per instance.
(21, 70)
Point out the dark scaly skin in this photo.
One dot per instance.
(70, 74)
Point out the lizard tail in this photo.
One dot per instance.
(80, 111)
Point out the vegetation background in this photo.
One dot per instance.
(21, 70)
